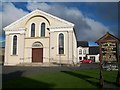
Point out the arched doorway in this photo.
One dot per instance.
(37, 52)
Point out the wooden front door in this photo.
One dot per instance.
(37, 54)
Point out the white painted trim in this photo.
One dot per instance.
(61, 30)
(7, 49)
(12, 43)
(30, 29)
(40, 28)
(8, 64)
(14, 32)
(39, 11)
(61, 27)
(19, 29)
(58, 42)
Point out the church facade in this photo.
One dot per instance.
(40, 37)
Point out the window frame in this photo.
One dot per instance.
(84, 51)
(31, 29)
(79, 51)
(13, 45)
(42, 30)
(59, 44)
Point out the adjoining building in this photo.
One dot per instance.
(40, 37)
(93, 53)
(87, 52)
(2, 52)
(83, 50)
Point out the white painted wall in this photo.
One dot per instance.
(87, 54)
(82, 55)
(96, 57)
(21, 28)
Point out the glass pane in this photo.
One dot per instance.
(61, 43)
(33, 30)
(43, 29)
(14, 45)
(80, 51)
(61, 50)
(84, 51)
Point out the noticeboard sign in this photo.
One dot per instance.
(109, 51)
(109, 55)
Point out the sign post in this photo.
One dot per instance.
(109, 52)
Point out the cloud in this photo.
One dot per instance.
(61, 0)
(11, 13)
(32, 6)
(0, 23)
(86, 28)
(97, 29)
(0, 19)
(8, 14)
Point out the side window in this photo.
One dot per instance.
(84, 51)
(14, 45)
(33, 30)
(43, 29)
(61, 43)
(80, 51)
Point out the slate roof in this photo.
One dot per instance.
(93, 50)
(82, 43)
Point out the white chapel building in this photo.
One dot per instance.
(40, 37)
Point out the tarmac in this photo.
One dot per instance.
(12, 72)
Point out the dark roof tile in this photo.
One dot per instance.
(94, 50)
(82, 43)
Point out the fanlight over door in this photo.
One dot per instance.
(37, 52)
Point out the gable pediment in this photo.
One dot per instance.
(52, 20)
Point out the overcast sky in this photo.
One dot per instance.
(92, 20)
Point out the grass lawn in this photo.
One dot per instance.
(64, 79)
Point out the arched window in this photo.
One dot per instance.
(15, 45)
(61, 43)
(43, 29)
(80, 51)
(33, 30)
(84, 51)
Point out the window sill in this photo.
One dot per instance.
(36, 37)
(13, 55)
(60, 54)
